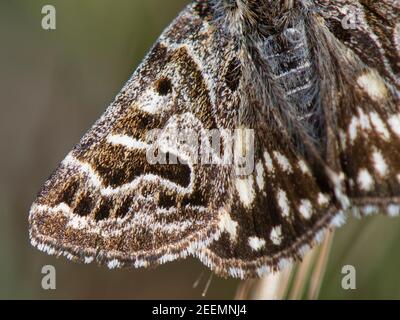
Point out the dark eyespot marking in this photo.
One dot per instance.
(164, 86)
(233, 74)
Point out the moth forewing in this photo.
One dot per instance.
(149, 183)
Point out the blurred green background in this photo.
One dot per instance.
(53, 86)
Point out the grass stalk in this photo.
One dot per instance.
(293, 281)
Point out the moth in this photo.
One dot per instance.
(320, 99)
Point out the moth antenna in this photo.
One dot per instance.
(207, 285)
(196, 283)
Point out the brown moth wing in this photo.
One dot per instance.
(277, 213)
(284, 207)
(365, 100)
(358, 92)
(371, 29)
(106, 202)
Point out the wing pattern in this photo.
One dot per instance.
(320, 101)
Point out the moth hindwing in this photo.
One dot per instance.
(250, 128)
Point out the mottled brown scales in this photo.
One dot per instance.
(233, 74)
(322, 99)
(84, 205)
(193, 88)
(68, 193)
(203, 9)
(380, 21)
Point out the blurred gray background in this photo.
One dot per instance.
(53, 86)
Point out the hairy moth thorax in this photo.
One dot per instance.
(277, 64)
